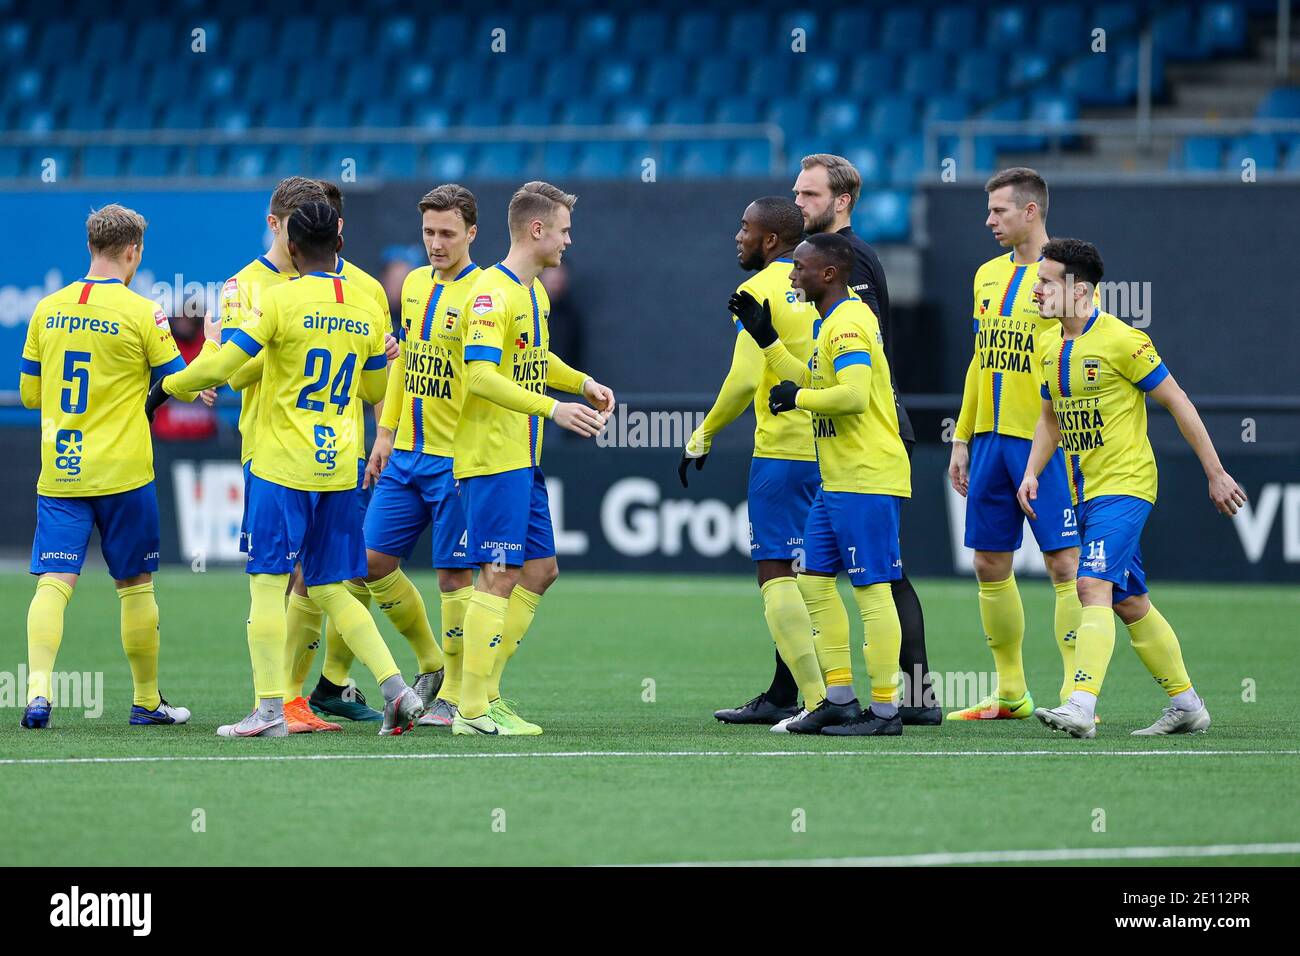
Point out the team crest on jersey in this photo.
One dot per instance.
(230, 291)
(450, 322)
(482, 303)
(522, 341)
(1091, 370)
(160, 320)
(984, 305)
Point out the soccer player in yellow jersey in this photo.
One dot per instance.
(783, 472)
(497, 447)
(991, 445)
(411, 461)
(325, 351)
(1094, 373)
(92, 349)
(865, 473)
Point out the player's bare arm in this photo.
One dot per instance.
(1226, 494)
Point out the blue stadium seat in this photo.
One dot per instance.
(955, 28)
(1222, 27)
(547, 34)
(983, 153)
(101, 162)
(1091, 80)
(806, 20)
(14, 38)
(11, 162)
(451, 31)
(347, 35)
(217, 82)
(768, 76)
(1126, 70)
(792, 114)
(415, 80)
(430, 116)
(615, 77)
(57, 38)
(1260, 147)
(1281, 103)
(581, 112)
(602, 160)
(1029, 69)
(281, 114)
(250, 40)
(290, 159)
(563, 78)
(366, 79)
(838, 118)
(70, 84)
(751, 158)
(208, 161)
(331, 114)
(1008, 28)
(1012, 108)
(230, 118)
(703, 159)
(90, 116)
(698, 32)
(460, 80)
(902, 29)
(870, 163)
(979, 75)
(514, 77)
(1119, 20)
(632, 113)
(396, 35)
(398, 160)
(893, 116)
(557, 160)
(306, 33)
(870, 73)
(332, 160)
(26, 84)
(248, 161)
(751, 32)
(647, 34)
(715, 77)
(738, 109)
(34, 119)
(945, 107)
(883, 215)
(1200, 154)
(925, 72)
(133, 116)
(481, 113)
(1061, 31)
(167, 83)
(499, 161)
(665, 77)
(530, 111)
(1173, 33)
(595, 33)
(447, 162)
(184, 116)
(908, 161)
(1292, 162)
(684, 111)
(851, 31)
(819, 76)
(381, 113)
(151, 161)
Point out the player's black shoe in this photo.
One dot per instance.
(867, 724)
(760, 710)
(826, 715)
(921, 716)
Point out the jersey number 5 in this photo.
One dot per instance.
(318, 365)
(76, 382)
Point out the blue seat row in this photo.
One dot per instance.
(1213, 154)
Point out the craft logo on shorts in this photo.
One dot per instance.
(326, 445)
(67, 451)
(482, 303)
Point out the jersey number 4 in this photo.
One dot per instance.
(318, 365)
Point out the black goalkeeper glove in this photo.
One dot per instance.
(686, 464)
(155, 399)
(756, 317)
(781, 398)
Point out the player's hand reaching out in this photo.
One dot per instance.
(1226, 494)
(1028, 492)
(392, 348)
(380, 452)
(959, 467)
(578, 418)
(781, 397)
(756, 317)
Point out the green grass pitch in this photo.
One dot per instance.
(624, 672)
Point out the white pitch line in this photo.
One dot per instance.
(1027, 856)
(597, 754)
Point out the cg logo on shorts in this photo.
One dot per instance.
(326, 445)
(67, 449)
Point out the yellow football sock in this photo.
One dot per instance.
(1068, 612)
(830, 628)
(302, 619)
(1003, 617)
(45, 633)
(140, 641)
(485, 620)
(791, 628)
(355, 627)
(338, 656)
(1157, 647)
(454, 605)
(1092, 649)
(519, 616)
(882, 639)
(400, 600)
(267, 634)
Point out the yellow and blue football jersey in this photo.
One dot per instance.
(240, 299)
